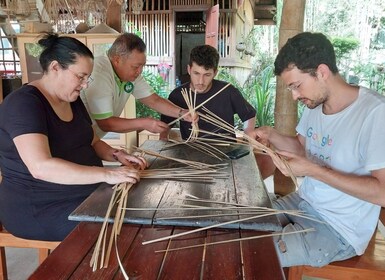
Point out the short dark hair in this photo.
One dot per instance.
(125, 44)
(206, 56)
(306, 51)
(63, 49)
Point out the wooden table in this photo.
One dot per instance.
(251, 259)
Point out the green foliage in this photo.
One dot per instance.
(130, 27)
(261, 91)
(344, 46)
(258, 90)
(372, 75)
(159, 86)
(33, 49)
(224, 75)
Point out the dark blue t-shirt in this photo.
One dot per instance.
(225, 105)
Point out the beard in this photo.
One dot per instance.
(311, 104)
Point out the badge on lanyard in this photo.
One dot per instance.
(128, 87)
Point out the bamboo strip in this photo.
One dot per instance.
(205, 216)
(200, 105)
(101, 238)
(209, 227)
(197, 207)
(198, 165)
(254, 143)
(238, 239)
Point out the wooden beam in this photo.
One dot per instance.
(264, 21)
(265, 7)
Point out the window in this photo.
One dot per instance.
(9, 58)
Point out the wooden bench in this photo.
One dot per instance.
(371, 265)
(9, 240)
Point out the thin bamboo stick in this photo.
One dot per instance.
(200, 105)
(209, 227)
(238, 239)
(199, 165)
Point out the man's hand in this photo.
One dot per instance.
(261, 134)
(299, 165)
(154, 125)
(189, 117)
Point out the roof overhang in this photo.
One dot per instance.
(264, 12)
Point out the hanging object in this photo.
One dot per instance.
(241, 47)
(21, 7)
(96, 12)
(137, 6)
(163, 70)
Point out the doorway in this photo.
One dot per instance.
(189, 32)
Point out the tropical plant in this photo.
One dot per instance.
(258, 90)
(261, 91)
(159, 86)
(224, 75)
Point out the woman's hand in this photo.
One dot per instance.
(126, 159)
(122, 174)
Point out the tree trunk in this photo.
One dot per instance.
(286, 112)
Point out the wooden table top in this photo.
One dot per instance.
(246, 259)
(251, 259)
(243, 186)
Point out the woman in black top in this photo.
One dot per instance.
(50, 158)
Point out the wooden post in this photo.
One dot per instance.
(286, 112)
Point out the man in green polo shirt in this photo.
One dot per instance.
(117, 76)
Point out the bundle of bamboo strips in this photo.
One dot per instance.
(119, 197)
(254, 211)
(195, 171)
(200, 105)
(206, 144)
(244, 140)
(191, 103)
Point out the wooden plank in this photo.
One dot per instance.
(9, 240)
(64, 260)
(258, 265)
(223, 260)
(126, 237)
(91, 208)
(141, 261)
(251, 190)
(221, 190)
(183, 264)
